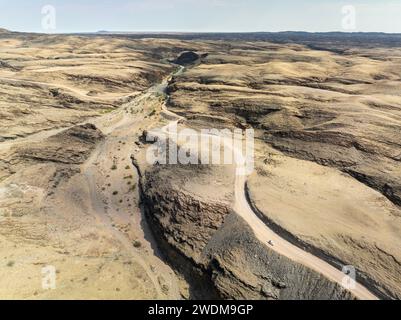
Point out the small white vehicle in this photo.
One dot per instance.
(271, 243)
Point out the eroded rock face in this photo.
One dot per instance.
(77, 79)
(217, 252)
(72, 146)
(242, 268)
(184, 220)
(354, 155)
(66, 150)
(318, 106)
(332, 113)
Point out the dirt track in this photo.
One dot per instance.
(265, 234)
(119, 126)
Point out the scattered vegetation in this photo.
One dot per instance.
(137, 244)
(106, 111)
(10, 263)
(262, 172)
(161, 95)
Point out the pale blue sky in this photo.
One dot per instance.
(201, 15)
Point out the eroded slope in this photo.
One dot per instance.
(340, 113)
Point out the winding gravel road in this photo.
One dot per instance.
(266, 235)
(241, 205)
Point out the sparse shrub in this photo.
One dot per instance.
(262, 172)
(114, 167)
(107, 111)
(115, 193)
(137, 244)
(10, 263)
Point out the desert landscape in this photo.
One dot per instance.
(77, 191)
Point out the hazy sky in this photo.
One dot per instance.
(201, 15)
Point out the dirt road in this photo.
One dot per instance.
(266, 235)
(285, 248)
(104, 197)
(119, 126)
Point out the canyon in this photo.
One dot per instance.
(77, 191)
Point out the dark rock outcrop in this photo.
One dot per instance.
(189, 58)
(216, 250)
(242, 268)
(72, 146)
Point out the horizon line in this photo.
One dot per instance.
(197, 32)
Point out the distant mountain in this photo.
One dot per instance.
(333, 41)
